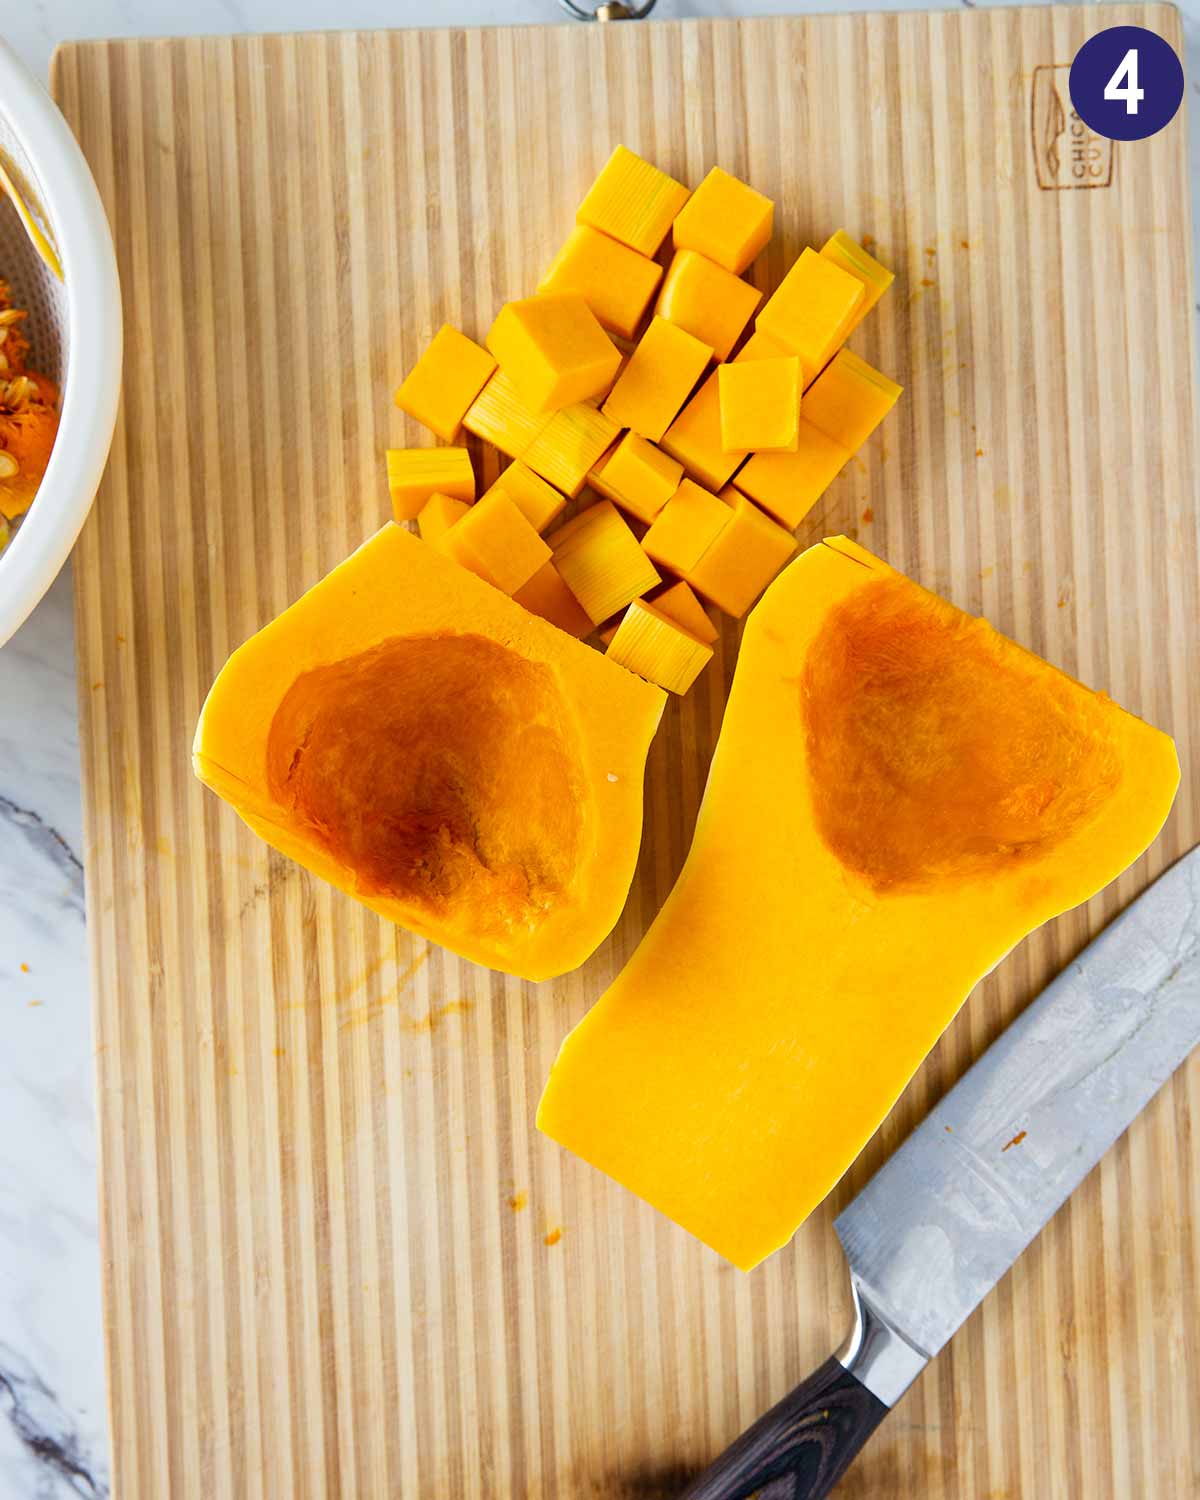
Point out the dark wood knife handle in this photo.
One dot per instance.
(802, 1447)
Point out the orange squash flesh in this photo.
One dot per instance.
(461, 766)
(899, 795)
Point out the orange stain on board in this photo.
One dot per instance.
(928, 281)
(979, 453)
(553, 1237)
(433, 1019)
(518, 1201)
(868, 516)
(357, 1014)
(1016, 1140)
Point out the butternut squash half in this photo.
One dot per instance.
(418, 739)
(899, 795)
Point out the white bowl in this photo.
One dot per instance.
(74, 329)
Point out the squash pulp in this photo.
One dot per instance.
(424, 743)
(898, 796)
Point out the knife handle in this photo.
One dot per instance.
(804, 1445)
(810, 1439)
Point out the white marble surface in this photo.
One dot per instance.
(53, 1442)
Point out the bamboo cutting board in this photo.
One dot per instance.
(339, 1261)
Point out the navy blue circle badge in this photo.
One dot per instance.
(1126, 83)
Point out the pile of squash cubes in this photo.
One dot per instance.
(705, 464)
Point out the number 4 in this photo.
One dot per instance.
(1127, 73)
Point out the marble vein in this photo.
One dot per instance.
(44, 1429)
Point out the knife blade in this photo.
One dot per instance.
(953, 1208)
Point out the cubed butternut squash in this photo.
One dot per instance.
(759, 346)
(760, 404)
(846, 252)
(496, 542)
(712, 303)
(548, 596)
(617, 283)
(655, 647)
(633, 201)
(601, 562)
(743, 558)
(788, 485)
(571, 443)
(685, 528)
(554, 351)
(638, 476)
(849, 399)
(540, 503)
(437, 515)
(413, 474)
(444, 382)
(679, 603)
(658, 379)
(694, 438)
(499, 416)
(812, 310)
(726, 220)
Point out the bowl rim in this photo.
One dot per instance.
(92, 386)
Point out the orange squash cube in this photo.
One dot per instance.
(553, 350)
(444, 381)
(679, 603)
(694, 438)
(710, 302)
(601, 562)
(540, 503)
(437, 515)
(660, 376)
(632, 201)
(639, 477)
(748, 552)
(812, 311)
(656, 648)
(616, 282)
(760, 405)
(788, 485)
(849, 400)
(496, 542)
(548, 596)
(847, 253)
(570, 445)
(413, 474)
(725, 220)
(759, 346)
(499, 416)
(685, 528)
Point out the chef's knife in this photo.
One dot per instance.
(945, 1217)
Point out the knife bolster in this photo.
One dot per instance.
(877, 1353)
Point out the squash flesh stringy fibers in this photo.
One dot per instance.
(898, 796)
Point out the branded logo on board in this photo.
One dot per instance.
(1066, 152)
